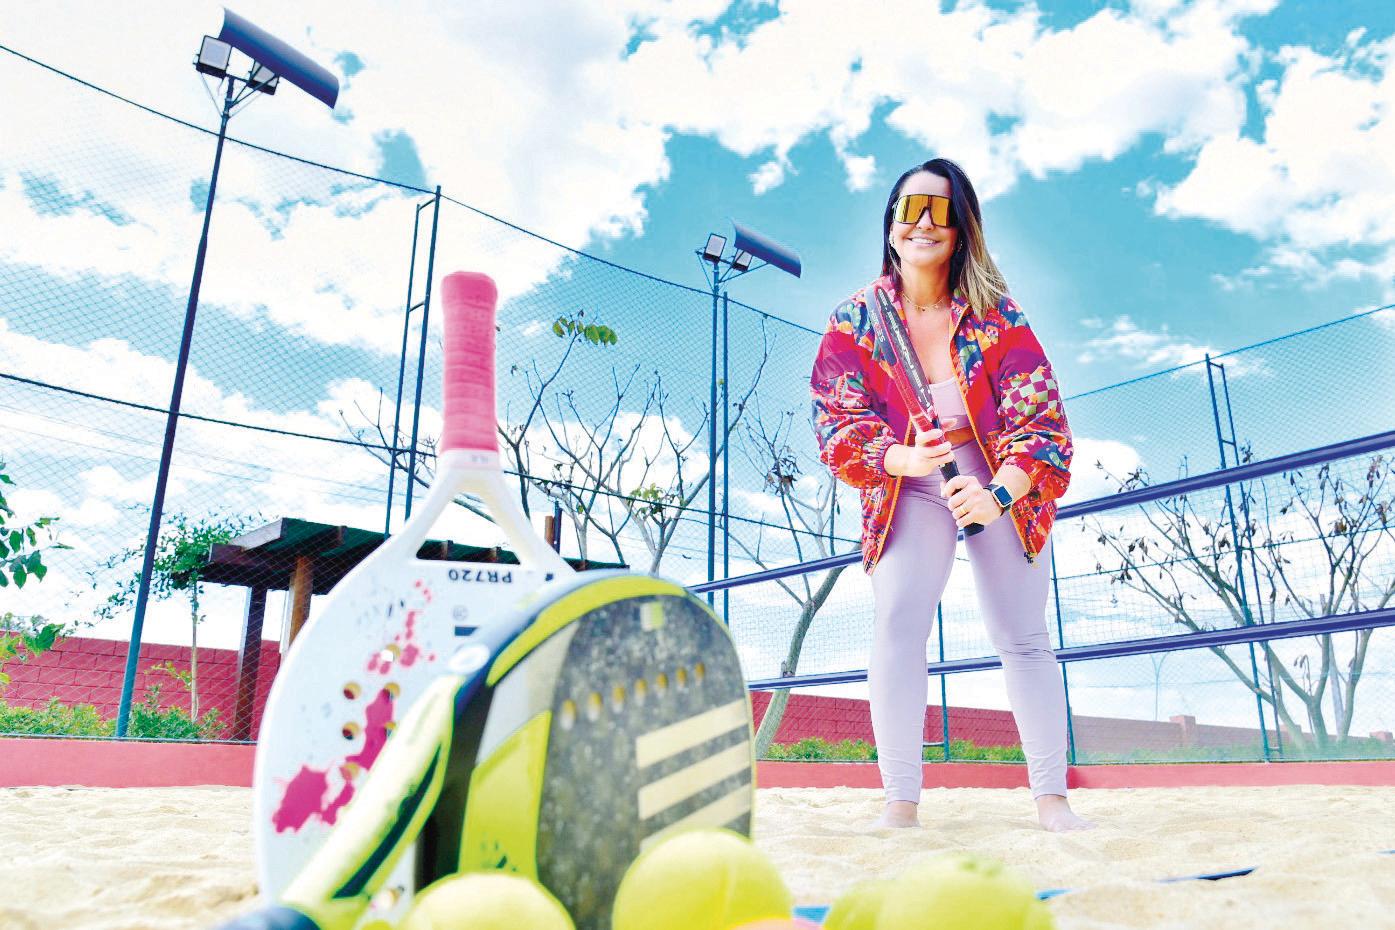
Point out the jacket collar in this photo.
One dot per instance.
(959, 303)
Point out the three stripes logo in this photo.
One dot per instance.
(714, 772)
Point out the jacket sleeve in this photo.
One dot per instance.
(1036, 437)
(853, 439)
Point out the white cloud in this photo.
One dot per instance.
(1150, 350)
(1321, 176)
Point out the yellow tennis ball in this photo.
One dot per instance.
(961, 891)
(857, 908)
(486, 901)
(700, 880)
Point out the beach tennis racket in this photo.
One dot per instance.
(558, 723)
(908, 376)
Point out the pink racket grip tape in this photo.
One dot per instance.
(469, 299)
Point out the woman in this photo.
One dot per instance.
(1003, 425)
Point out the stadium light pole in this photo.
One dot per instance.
(748, 246)
(271, 60)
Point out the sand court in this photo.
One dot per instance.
(176, 858)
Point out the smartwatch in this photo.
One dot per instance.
(1000, 494)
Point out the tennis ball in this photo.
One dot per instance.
(486, 901)
(858, 907)
(961, 891)
(700, 880)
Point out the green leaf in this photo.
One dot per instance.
(4, 582)
(16, 539)
(21, 576)
(557, 329)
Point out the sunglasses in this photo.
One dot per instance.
(911, 207)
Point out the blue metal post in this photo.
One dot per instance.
(157, 505)
(944, 690)
(1239, 556)
(402, 367)
(712, 445)
(1065, 676)
(1254, 570)
(421, 357)
(726, 466)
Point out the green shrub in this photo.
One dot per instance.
(151, 721)
(817, 749)
(53, 719)
(963, 750)
(148, 721)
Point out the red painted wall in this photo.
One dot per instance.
(90, 671)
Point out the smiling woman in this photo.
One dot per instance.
(1005, 427)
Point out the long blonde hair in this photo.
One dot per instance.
(971, 268)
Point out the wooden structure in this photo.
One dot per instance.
(302, 558)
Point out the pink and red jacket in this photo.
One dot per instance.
(1010, 393)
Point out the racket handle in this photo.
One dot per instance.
(948, 471)
(273, 917)
(467, 377)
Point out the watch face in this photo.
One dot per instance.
(1003, 496)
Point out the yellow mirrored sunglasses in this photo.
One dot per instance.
(910, 208)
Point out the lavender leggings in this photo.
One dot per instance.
(907, 584)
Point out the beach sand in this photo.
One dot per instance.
(162, 859)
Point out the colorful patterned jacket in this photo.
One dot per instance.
(1012, 398)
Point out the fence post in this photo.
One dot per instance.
(402, 364)
(157, 504)
(726, 466)
(421, 356)
(1065, 675)
(1221, 443)
(944, 694)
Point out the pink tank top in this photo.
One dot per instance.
(949, 405)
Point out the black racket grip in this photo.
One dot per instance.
(275, 917)
(948, 471)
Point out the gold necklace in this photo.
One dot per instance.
(935, 306)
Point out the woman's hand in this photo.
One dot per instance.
(969, 502)
(924, 458)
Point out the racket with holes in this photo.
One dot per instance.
(909, 378)
(559, 723)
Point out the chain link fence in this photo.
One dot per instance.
(311, 406)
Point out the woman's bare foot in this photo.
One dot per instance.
(899, 814)
(1055, 815)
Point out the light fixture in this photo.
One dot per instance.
(262, 79)
(741, 261)
(712, 252)
(213, 57)
(766, 249)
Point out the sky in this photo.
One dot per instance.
(1160, 179)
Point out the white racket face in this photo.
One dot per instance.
(381, 637)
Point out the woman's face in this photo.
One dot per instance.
(923, 245)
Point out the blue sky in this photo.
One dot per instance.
(1160, 179)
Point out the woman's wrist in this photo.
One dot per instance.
(894, 461)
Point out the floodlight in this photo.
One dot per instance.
(713, 250)
(741, 261)
(766, 249)
(263, 80)
(213, 57)
(267, 50)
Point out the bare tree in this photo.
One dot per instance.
(626, 470)
(808, 527)
(1319, 545)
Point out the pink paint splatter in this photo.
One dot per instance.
(303, 799)
(375, 730)
(307, 794)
